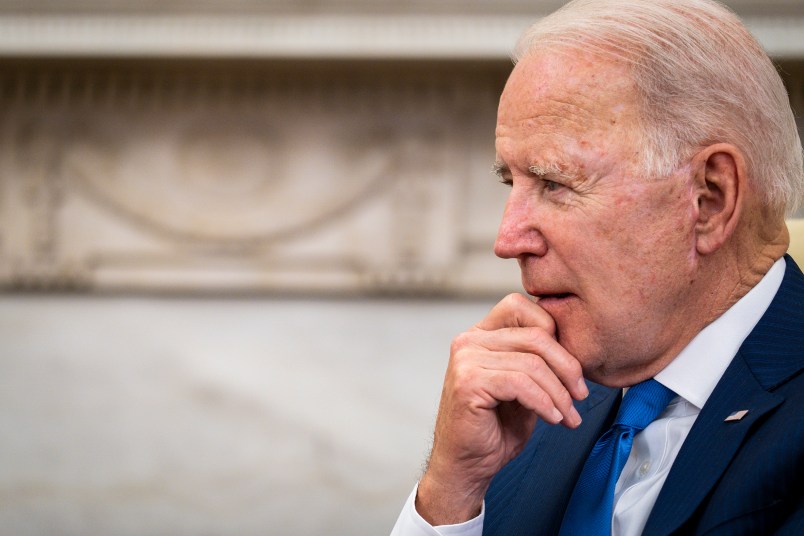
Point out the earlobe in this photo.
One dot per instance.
(720, 184)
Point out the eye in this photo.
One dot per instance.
(551, 186)
(506, 181)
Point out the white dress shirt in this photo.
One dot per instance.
(692, 375)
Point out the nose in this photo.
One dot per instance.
(519, 233)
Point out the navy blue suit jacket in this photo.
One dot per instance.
(730, 478)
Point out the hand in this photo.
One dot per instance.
(502, 376)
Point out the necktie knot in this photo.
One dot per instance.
(642, 403)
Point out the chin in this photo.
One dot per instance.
(596, 364)
(605, 379)
(610, 372)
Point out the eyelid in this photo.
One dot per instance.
(551, 185)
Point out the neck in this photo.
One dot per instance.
(720, 280)
(736, 268)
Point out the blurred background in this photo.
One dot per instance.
(237, 239)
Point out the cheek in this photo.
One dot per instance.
(652, 222)
(619, 236)
(634, 255)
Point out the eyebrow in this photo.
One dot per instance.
(547, 169)
(540, 170)
(498, 168)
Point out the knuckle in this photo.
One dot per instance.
(514, 300)
(574, 369)
(564, 399)
(539, 337)
(535, 363)
(464, 375)
(548, 325)
(543, 400)
(497, 381)
(460, 390)
(520, 381)
(460, 342)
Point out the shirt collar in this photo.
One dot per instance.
(694, 373)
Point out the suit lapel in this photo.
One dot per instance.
(710, 447)
(773, 353)
(534, 488)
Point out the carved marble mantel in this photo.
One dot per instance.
(243, 177)
(284, 147)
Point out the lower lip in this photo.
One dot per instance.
(555, 300)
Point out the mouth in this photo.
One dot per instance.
(553, 298)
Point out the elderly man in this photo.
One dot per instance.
(651, 155)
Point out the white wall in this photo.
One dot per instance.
(216, 416)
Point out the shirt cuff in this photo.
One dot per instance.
(410, 523)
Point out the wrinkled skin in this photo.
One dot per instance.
(615, 246)
(623, 270)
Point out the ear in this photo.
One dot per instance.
(720, 186)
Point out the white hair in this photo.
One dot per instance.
(701, 78)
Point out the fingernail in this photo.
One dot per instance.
(575, 417)
(557, 416)
(582, 389)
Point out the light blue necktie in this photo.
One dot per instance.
(590, 508)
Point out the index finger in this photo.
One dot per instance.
(517, 311)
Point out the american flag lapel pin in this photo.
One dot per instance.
(736, 416)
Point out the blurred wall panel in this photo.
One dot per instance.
(236, 239)
(235, 176)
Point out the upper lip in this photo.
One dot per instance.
(539, 293)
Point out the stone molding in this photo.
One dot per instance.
(345, 36)
(235, 181)
(284, 36)
(266, 147)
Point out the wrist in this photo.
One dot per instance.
(442, 503)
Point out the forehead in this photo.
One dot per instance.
(570, 91)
